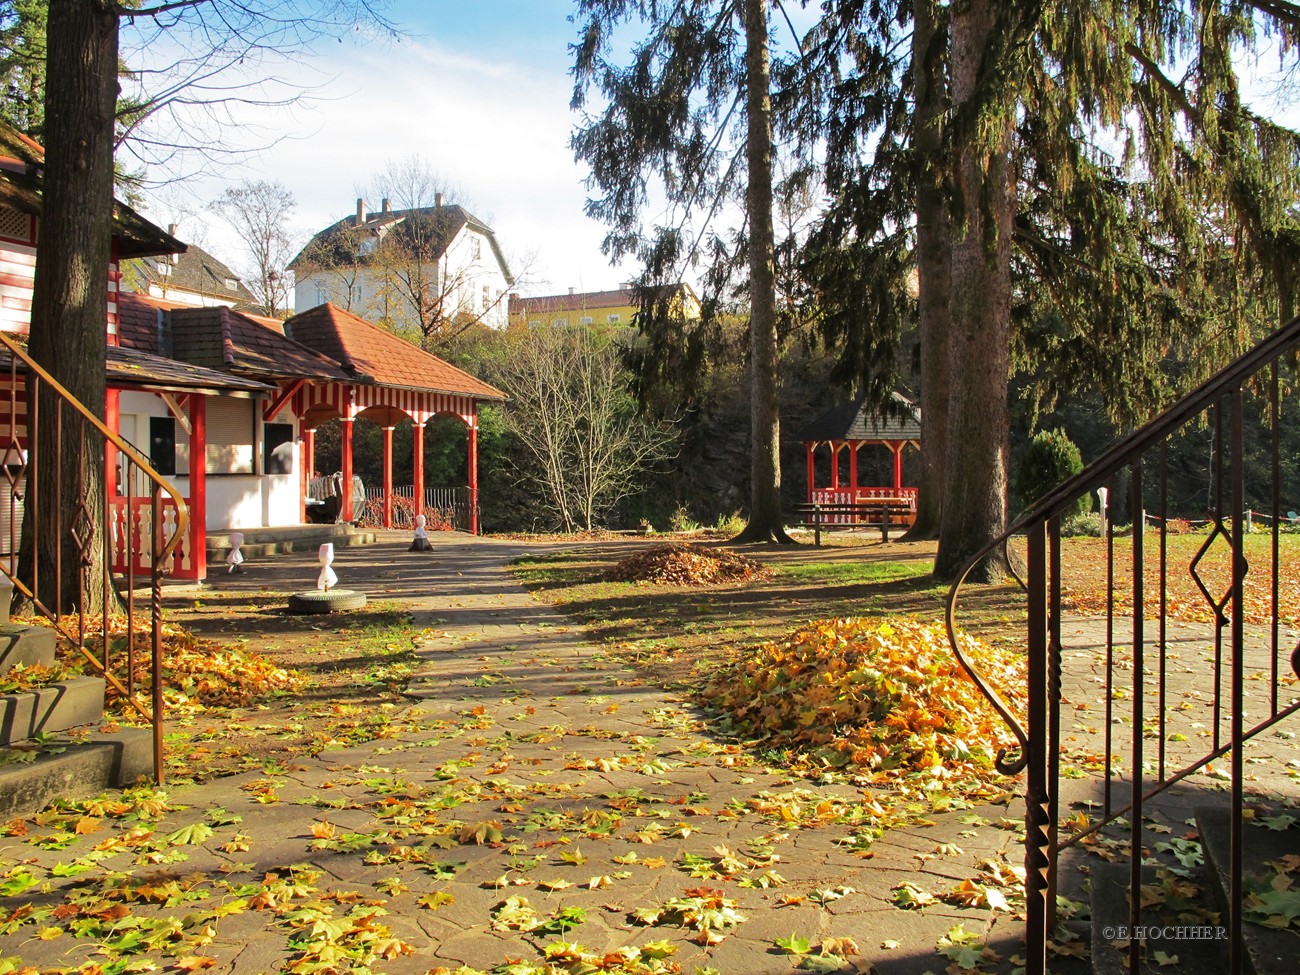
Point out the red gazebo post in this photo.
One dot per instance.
(345, 501)
(388, 477)
(417, 460)
(473, 472)
(835, 464)
(308, 467)
(853, 467)
(199, 485)
(897, 447)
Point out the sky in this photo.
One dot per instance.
(477, 89)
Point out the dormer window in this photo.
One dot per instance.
(165, 268)
(232, 284)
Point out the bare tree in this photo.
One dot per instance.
(259, 212)
(571, 407)
(423, 265)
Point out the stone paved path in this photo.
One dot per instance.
(586, 788)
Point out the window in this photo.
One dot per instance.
(476, 249)
(277, 448)
(487, 297)
(614, 319)
(535, 323)
(322, 295)
(230, 436)
(560, 322)
(586, 320)
(162, 445)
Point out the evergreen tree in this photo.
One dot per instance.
(1110, 205)
(691, 117)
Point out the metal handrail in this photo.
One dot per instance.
(1039, 734)
(164, 548)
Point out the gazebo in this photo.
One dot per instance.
(850, 426)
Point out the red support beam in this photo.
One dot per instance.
(897, 448)
(307, 468)
(473, 473)
(277, 404)
(388, 477)
(345, 506)
(853, 465)
(199, 485)
(812, 471)
(113, 420)
(417, 462)
(835, 464)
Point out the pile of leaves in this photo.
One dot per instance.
(886, 698)
(196, 673)
(680, 564)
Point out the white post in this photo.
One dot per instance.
(327, 578)
(1101, 498)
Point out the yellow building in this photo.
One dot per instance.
(607, 308)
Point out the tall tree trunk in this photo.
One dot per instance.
(933, 259)
(975, 468)
(68, 303)
(765, 522)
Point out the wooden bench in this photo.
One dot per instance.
(885, 512)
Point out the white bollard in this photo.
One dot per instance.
(235, 560)
(327, 578)
(420, 543)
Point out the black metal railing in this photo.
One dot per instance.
(128, 528)
(1138, 646)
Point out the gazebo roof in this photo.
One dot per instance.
(381, 355)
(852, 421)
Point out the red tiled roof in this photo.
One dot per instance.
(545, 304)
(137, 320)
(381, 355)
(220, 338)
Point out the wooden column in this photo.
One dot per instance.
(308, 466)
(113, 420)
(417, 462)
(199, 485)
(345, 505)
(835, 464)
(853, 466)
(897, 448)
(812, 471)
(388, 477)
(473, 472)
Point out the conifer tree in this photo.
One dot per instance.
(690, 117)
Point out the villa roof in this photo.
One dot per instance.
(195, 271)
(853, 421)
(585, 300)
(381, 355)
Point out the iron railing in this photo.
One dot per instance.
(448, 506)
(135, 531)
(1153, 731)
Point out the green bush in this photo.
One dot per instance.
(1050, 459)
(1082, 523)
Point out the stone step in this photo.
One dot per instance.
(1269, 951)
(262, 542)
(25, 646)
(6, 600)
(46, 710)
(1165, 930)
(71, 770)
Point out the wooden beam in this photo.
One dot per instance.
(277, 404)
(181, 416)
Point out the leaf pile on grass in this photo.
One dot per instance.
(885, 699)
(680, 564)
(196, 673)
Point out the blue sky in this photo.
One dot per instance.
(477, 89)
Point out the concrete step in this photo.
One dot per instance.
(1269, 951)
(71, 770)
(6, 599)
(24, 646)
(261, 542)
(1167, 926)
(46, 710)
